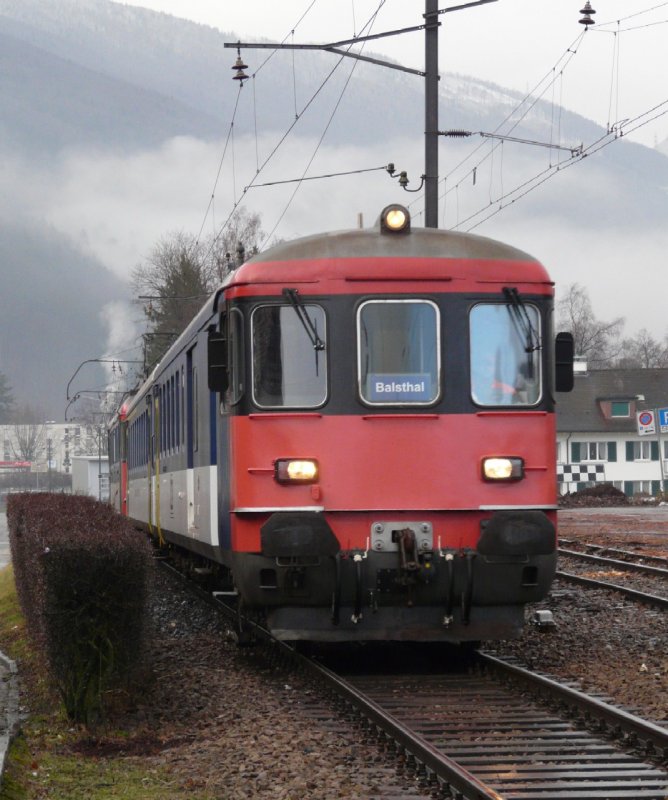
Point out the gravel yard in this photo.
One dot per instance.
(601, 641)
(222, 720)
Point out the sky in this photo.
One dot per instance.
(117, 206)
(612, 73)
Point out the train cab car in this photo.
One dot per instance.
(376, 414)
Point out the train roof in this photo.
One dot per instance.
(420, 254)
(372, 243)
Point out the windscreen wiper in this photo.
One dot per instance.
(297, 303)
(520, 316)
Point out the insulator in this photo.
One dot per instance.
(587, 11)
(239, 64)
(403, 179)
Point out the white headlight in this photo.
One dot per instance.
(395, 219)
(296, 470)
(503, 469)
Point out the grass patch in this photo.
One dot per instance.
(12, 623)
(52, 760)
(69, 777)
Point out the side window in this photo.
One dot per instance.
(235, 322)
(398, 352)
(288, 369)
(503, 373)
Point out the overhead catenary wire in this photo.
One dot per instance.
(557, 75)
(220, 164)
(616, 128)
(528, 103)
(368, 26)
(231, 126)
(289, 130)
(319, 177)
(608, 138)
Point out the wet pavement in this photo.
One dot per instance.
(9, 696)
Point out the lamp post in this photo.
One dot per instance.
(47, 425)
(112, 361)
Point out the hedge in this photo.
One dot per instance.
(82, 576)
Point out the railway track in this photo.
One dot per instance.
(632, 556)
(498, 732)
(654, 588)
(481, 735)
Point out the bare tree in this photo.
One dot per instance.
(596, 340)
(182, 271)
(89, 437)
(30, 441)
(643, 351)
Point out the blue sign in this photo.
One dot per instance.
(404, 388)
(663, 419)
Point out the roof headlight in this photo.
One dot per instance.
(395, 219)
(296, 470)
(502, 468)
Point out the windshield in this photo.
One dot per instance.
(503, 373)
(287, 369)
(399, 352)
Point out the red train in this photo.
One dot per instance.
(357, 432)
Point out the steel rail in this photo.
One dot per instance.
(651, 736)
(446, 770)
(634, 594)
(443, 767)
(604, 549)
(447, 775)
(615, 563)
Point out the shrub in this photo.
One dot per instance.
(82, 577)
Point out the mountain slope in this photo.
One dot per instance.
(50, 103)
(90, 83)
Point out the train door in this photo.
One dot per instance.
(192, 443)
(155, 448)
(122, 445)
(232, 326)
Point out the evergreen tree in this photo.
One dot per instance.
(6, 400)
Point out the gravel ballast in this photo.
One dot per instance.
(223, 720)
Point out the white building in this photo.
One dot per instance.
(50, 445)
(598, 439)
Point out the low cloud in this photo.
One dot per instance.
(585, 224)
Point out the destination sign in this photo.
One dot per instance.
(405, 388)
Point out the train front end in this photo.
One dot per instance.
(387, 435)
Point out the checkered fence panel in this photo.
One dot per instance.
(576, 473)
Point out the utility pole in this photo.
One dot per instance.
(431, 114)
(430, 26)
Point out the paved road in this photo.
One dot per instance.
(4, 541)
